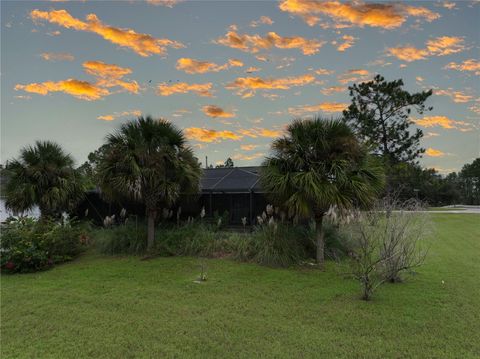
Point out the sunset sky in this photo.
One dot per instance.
(232, 74)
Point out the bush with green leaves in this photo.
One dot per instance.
(274, 244)
(128, 238)
(28, 245)
(191, 239)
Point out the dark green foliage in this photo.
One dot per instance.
(469, 182)
(221, 220)
(149, 161)
(380, 112)
(274, 245)
(28, 245)
(128, 239)
(334, 241)
(88, 170)
(318, 164)
(43, 176)
(412, 181)
(194, 239)
(278, 245)
(227, 164)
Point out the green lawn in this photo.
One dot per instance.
(99, 307)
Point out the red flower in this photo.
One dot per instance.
(10, 265)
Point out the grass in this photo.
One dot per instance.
(121, 307)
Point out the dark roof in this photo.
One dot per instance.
(236, 179)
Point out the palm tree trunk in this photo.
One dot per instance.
(320, 239)
(152, 214)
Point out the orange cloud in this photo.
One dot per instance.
(353, 75)
(246, 86)
(83, 90)
(60, 56)
(348, 43)
(449, 5)
(439, 46)
(245, 157)
(444, 122)
(164, 89)
(431, 152)
(260, 132)
(142, 44)
(107, 76)
(445, 45)
(324, 72)
(356, 13)
(248, 147)
(456, 96)
(331, 90)
(110, 75)
(101, 69)
(215, 111)
(106, 118)
(408, 53)
(207, 135)
(116, 115)
(192, 66)
(265, 20)
(255, 43)
(252, 69)
(329, 107)
(470, 65)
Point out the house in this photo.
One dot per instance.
(233, 192)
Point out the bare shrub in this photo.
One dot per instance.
(406, 226)
(385, 242)
(364, 239)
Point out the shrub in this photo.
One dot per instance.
(334, 240)
(128, 238)
(405, 227)
(28, 245)
(273, 244)
(193, 239)
(364, 240)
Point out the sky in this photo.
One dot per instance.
(232, 74)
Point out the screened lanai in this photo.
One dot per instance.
(236, 190)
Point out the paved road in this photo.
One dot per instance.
(459, 209)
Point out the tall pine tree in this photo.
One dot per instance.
(380, 114)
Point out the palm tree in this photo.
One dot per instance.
(43, 176)
(320, 163)
(149, 161)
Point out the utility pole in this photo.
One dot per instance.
(206, 162)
